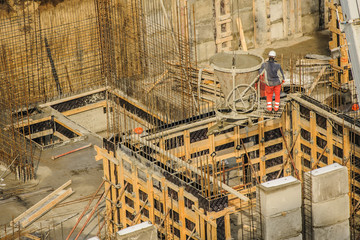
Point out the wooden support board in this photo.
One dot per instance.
(223, 25)
(43, 206)
(241, 33)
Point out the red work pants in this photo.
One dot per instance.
(269, 90)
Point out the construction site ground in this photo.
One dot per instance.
(86, 173)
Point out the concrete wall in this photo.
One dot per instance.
(274, 20)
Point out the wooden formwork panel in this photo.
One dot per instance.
(194, 145)
(148, 196)
(304, 138)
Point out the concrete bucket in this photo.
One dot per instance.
(245, 67)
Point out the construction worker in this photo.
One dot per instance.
(273, 76)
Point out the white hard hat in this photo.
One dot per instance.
(272, 54)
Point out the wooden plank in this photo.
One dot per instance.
(182, 213)
(151, 194)
(72, 97)
(205, 217)
(85, 108)
(102, 153)
(41, 202)
(40, 134)
(227, 39)
(273, 142)
(346, 147)
(273, 168)
(316, 81)
(30, 236)
(122, 209)
(187, 144)
(220, 22)
(275, 154)
(216, 215)
(107, 186)
(262, 150)
(31, 122)
(65, 126)
(47, 207)
(157, 81)
(242, 35)
(227, 226)
(114, 209)
(313, 138)
(61, 136)
(296, 130)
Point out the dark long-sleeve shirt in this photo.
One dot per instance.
(273, 73)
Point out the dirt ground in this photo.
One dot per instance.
(86, 175)
(317, 43)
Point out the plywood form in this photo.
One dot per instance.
(143, 183)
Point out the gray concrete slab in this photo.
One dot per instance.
(282, 226)
(330, 212)
(328, 182)
(299, 237)
(340, 231)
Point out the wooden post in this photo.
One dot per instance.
(182, 213)
(150, 187)
(262, 150)
(113, 197)
(330, 142)
(313, 132)
(167, 205)
(202, 225)
(107, 186)
(187, 144)
(288, 137)
(296, 131)
(346, 147)
(120, 170)
(227, 226)
(134, 176)
(242, 35)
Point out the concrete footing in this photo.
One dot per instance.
(326, 196)
(279, 203)
(339, 231)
